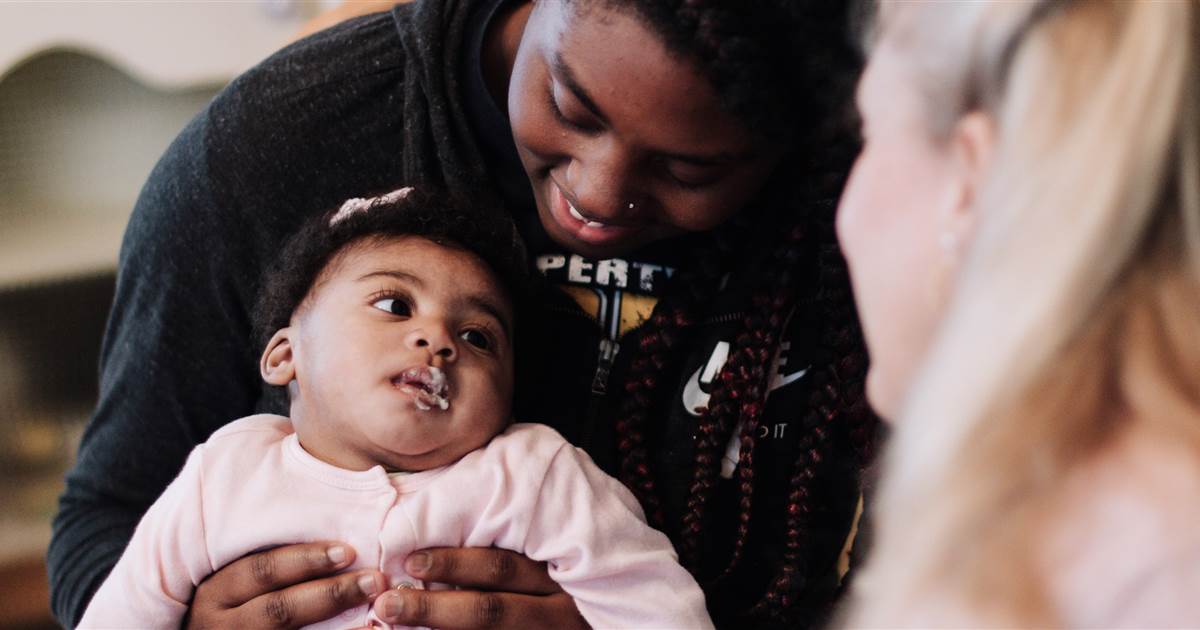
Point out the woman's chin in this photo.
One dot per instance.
(882, 395)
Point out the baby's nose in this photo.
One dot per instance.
(435, 339)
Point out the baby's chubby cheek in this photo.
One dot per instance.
(478, 419)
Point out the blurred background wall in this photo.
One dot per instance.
(90, 96)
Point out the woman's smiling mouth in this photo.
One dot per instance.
(578, 225)
(579, 215)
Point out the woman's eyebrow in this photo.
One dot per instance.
(564, 74)
(716, 159)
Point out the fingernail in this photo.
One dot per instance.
(418, 563)
(368, 584)
(393, 607)
(336, 553)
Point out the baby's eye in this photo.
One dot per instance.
(395, 306)
(477, 338)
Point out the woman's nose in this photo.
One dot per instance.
(434, 338)
(602, 182)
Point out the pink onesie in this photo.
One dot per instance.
(252, 486)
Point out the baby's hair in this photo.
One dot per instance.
(440, 217)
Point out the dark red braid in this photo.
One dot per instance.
(667, 327)
(753, 376)
(836, 398)
(713, 428)
(740, 393)
(653, 352)
(711, 434)
(739, 397)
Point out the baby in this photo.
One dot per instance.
(390, 324)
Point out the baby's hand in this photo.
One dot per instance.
(280, 588)
(512, 592)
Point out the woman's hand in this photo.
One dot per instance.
(512, 592)
(285, 587)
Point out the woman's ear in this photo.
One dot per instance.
(973, 142)
(276, 364)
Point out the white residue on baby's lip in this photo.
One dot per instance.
(427, 385)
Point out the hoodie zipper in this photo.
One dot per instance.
(606, 354)
(604, 363)
(608, 348)
(607, 351)
(723, 319)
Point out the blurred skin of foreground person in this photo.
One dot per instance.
(1023, 234)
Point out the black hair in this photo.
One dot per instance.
(785, 69)
(438, 216)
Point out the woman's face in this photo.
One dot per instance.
(899, 208)
(624, 142)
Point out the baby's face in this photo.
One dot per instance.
(402, 357)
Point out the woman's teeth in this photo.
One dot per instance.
(579, 216)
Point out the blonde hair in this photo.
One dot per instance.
(1075, 314)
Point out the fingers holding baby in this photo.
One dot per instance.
(513, 591)
(291, 586)
(285, 587)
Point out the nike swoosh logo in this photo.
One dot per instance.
(694, 396)
(783, 380)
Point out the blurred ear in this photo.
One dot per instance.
(976, 139)
(973, 143)
(276, 364)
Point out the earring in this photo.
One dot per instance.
(631, 205)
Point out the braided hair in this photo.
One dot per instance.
(784, 68)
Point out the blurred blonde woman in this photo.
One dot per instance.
(1023, 232)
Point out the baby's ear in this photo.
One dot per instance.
(276, 365)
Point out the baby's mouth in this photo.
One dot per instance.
(427, 385)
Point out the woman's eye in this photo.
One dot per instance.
(566, 120)
(692, 176)
(477, 338)
(394, 306)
